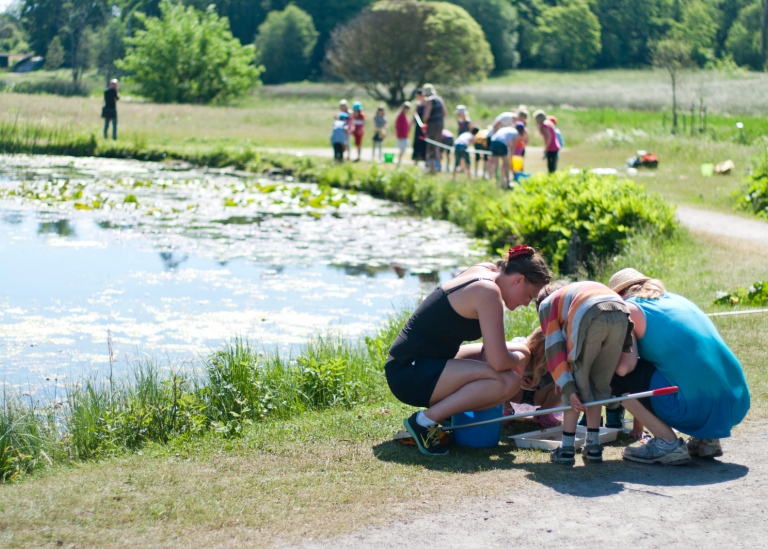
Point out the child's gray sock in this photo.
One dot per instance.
(593, 437)
(569, 439)
(664, 444)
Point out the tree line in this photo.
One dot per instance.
(276, 41)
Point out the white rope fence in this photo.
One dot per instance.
(443, 145)
(448, 147)
(730, 313)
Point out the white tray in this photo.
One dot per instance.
(549, 439)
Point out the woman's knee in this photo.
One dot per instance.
(510, 383)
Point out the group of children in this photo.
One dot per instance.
(500, 147)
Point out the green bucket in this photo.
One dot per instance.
(389, 157)
(707, 170)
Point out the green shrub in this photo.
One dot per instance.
(585, 215)
(757, 294)
(755, 199)
(66, 88)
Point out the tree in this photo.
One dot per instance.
(54, 57)
(744, 38)
(627, 29)
(12, 36)
(498, 19)
(672, 55)
(42, 20)
(110, 46)
(698, 29)
(285, 44)
(567, 36)
(189, 56)
(396, 44)
(764, 33)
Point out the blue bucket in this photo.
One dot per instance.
(482, 436)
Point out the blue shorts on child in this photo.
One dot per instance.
(460, 152)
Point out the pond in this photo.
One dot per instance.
(142, 259)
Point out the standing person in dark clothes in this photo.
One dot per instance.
(109, 112)
(419, 145)
(434, 117)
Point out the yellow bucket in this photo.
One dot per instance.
(517, 163)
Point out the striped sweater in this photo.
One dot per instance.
(564, 317)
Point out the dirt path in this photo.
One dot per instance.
(720, 224)
(708, 503)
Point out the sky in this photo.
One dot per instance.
(4, 4)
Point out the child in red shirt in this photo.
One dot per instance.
(358, 127)
(402, 129)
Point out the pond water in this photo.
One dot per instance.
(171, 262)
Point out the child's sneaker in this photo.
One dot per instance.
(427, 438)
(653, 452)
(564, 454)
(704, 447)
(614, 417)
(592, 452)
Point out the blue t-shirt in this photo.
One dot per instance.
(684, 345)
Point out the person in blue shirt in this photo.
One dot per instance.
(678, 345)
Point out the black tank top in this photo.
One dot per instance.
(435, 329)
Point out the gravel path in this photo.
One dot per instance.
(708, 503)
(720, 224)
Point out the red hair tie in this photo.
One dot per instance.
(520, 250)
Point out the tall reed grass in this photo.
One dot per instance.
(239, 385)
(38, 138)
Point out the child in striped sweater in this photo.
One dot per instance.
(588, 335)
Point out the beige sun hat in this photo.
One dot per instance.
(623, 279)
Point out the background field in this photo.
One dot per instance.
(299, 116)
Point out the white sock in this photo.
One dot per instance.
(424, 421)
(569, 439)
(593, 437)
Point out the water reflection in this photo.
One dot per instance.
(60, 227)
(232, 263)
(13, 218)
(172, 261)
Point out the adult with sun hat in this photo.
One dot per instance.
(428, 365)
(678, 345)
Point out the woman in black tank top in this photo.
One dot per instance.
(429, 365)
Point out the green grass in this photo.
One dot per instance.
(736, 92)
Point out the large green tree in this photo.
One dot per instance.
(698, 29)
(400, 43)
(628, 27)
(71, 20)
(745, 36)
(189, 56)
(13, 39)
(110, 47)
(567, 36)
(285, 44)
(498, 19)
